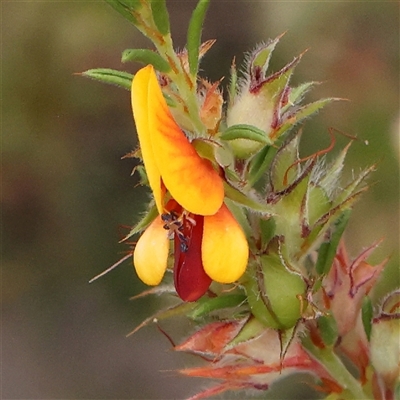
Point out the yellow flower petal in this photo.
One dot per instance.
(191, 180)
(224, 249)
(139, 94)
(151, 253)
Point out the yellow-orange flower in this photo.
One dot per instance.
(209, 243)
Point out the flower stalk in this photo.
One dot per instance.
(247, 235)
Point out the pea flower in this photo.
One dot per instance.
(189, 194)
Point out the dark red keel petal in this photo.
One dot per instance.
(191, 282)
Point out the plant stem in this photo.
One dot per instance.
(334, 365)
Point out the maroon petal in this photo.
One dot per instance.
(191, 282)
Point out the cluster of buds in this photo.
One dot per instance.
(242, 231)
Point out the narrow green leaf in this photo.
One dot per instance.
(240, 215)
(110, 76)
(259, 163)
(146, 57)
(249, 132)
(267, 229)
(250, 330)
(367, 313)
(301, 114)
(328, 249)
(147, 219)
(284, 170)
(194, 35)
(240, 198)
(296, 94)
(207, 305)
(328, 329)
(160, 16)
(262, 55)
(126, 8)
(233, 84)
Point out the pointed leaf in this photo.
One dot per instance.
(349, 190)
(330, 179)
(259, 59)
(274, 85)
(328, 329)
(296, 94)
(299, 114)
(328, 249)
(232, 84)
(110, 76)
(126, 8)
(207, 305)
(259, 163)
(146, 56)
(239, 214)
(169, 312)
(283, 171)
(267, 230)
(240, 198)
(148, 218)
(194, 35)
(252, 329)
(160, 16)
(367, 313)
(318, 203)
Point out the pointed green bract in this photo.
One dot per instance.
(237, 196)
(283, 168)
(303, 113)
(267, 230)
(160, 16)
(328, 249)
(261, 56)
(232, 84)
(148, 218)
(126, 8)
(146, 57)
(259, 164)
(207, 305)
(297, 93)
(194, 35)
(328, 328)
(367, 313)
(251, 329)
(110, 76)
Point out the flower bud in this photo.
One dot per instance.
(274, 293)
(385, 340)
(251, 108)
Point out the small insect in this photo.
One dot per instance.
(175, 224)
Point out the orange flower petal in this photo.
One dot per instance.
(139, 94)
(190, 179)
(151, 253)
(224, 250)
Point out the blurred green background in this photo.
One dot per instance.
(66, 193)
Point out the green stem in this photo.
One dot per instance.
(185, 83)
(187, 91)
(334, 365)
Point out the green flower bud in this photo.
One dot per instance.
(385, 345)
(274, 293)
(250, 108)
